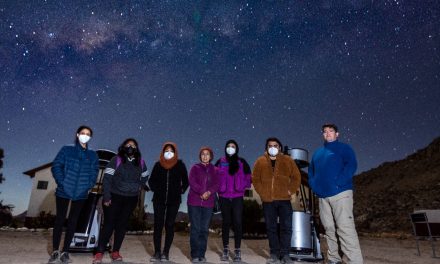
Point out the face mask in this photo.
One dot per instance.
(273, 151)
(83, 139)
(130, 150)
(230, 151)
(168, 155)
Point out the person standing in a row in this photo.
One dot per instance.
(168, 181)
(276, 178)
(124, 178)
(235, 178)
(203, 182)
(74, 169)
(331, 174)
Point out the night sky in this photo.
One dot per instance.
(202, 72)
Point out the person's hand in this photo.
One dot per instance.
(108, 203)
(206, 195)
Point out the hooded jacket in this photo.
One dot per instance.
(278, 183)
(75, 170)
(169, 184)
(232, 186)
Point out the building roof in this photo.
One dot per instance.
(32, 172)
(104, 156)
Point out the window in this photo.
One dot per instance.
(248, 193)
(42, 185)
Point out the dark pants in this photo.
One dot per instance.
(164, 215)
(279, 243)
(232, 213)
(199, 217)
(62, 204)
(116, 218)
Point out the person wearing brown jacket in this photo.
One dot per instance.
(276, 178)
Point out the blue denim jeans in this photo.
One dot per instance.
(199, 217)
(279, 243)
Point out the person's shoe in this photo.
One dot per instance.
(273, 259)
(195, 260)
(225, 255)
(115, 256)
(97, 259)
(165, 257)
(287, 260)
(155, 257)
(237, 255)
(334, 262)
(202, 260)
(54, 257)
(65, 258)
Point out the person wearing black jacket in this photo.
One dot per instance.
(168, 181)
(124, 178)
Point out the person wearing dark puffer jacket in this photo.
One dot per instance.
(74, 169)
(124, 178)
(168, 181)
(235, 178)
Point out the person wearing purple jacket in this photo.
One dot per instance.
(203, 184)
(235, 178)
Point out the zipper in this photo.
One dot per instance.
(206, 183)
(273, 179)
(168, 183)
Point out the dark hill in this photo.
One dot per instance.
(384, 196)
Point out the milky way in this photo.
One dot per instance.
(201, 72)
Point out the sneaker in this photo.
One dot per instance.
(195, 260)
(334, 262)
(165, 257)
(64, 258)
(115, 256)
(155, 257)
(287, 260)
(202, 260)
(97, 259)
(225, 255)
(273, 259)
(54, 257)
(237, 255)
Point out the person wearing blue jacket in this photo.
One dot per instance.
(330, 176)
(74, 169)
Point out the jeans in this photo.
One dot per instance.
(232, 213)
(279, 243)
(116, 218)
(336, 213)
(62, 204)
(199, 217)
(164, 215)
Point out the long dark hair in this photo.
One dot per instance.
(233, 159)
(79, 130)
(123, 155)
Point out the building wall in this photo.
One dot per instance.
(42, 199)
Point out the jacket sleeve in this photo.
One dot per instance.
(94, 175)
(154, 177)
(295, 177)
(144, 176)
(256, 176)
(311, 173)
(184, 174)
(350, 166)
(109, 173)
(247, 173)
(58, 166)
(193, 183)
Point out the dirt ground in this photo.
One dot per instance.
(34, 247)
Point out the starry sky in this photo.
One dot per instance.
(202, 72)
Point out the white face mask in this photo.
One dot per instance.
(83, 138)
(273, 151)
(168, 155)
(230, 151)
